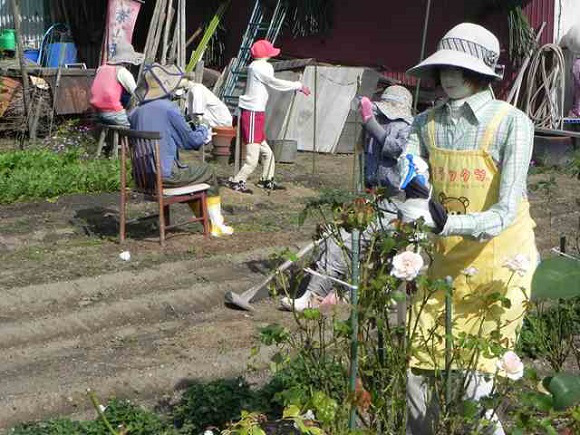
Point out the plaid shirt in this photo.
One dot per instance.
(511, 151)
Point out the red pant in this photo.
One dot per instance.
(253, 126)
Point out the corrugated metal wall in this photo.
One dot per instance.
(33, 20)
(539, 11)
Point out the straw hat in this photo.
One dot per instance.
(395, 103)
(467, 46)
(125, 53)
(158, 81)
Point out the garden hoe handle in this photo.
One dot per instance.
(243, 300)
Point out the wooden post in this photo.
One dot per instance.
(181, 55)
(150, 37)
(123, 196)
(17, 18)
(169, 19)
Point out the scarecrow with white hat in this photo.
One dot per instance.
(253, 117)
(387, 123)
(479, 151)
(156, 112)
(110, 81)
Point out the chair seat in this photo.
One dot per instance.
(185, 190)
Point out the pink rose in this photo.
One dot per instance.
(470, 271)
(407, 265)
(512, 365)
(519, 264)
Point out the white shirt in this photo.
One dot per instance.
(261, 77)
(202, 101)
(126, 79)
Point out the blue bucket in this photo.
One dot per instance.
(32, 55)
(53, 54)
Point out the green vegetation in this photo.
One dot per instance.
(40, 174)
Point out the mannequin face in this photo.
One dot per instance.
(454, 83)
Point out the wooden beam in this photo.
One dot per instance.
(17, 19)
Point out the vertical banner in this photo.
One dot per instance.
(120, 23)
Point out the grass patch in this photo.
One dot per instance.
(44, 174)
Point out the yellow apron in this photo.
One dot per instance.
(467, 181)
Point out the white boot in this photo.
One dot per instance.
(307, 300)
(214, 209)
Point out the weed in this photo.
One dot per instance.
(212, 404)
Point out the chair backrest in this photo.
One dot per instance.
(143, 150)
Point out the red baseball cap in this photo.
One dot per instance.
(263, 48)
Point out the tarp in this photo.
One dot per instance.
(335, 89)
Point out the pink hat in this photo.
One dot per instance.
(263, 48)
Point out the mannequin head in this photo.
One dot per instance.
(459, 83)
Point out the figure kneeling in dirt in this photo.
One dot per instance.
(156, 112)
(387, 125)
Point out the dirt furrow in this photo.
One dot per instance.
(150, 360)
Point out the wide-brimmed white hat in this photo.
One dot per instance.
(396, 103)
(467, 46)
(125, 53)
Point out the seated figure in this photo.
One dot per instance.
(110, 81)
(156, 112)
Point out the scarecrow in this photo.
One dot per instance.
(387, 125)
(253, 117)
(157, 112)
(203, 106)
(479, 151)
(110, 81)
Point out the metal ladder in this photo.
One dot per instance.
(259, 27)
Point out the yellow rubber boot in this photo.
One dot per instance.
(214, 209)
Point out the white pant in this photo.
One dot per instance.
(423, 408)
(253, 153)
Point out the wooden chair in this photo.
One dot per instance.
(143, 149)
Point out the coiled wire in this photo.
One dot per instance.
(543, 96)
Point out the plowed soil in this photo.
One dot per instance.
(73, 315)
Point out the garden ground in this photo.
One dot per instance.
(74, 315)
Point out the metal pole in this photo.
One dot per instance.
(354, 301)
(448, 337)
(314, 116)
(354, 323)
(423, 43)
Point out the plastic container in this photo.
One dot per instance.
(53, 54)
(8, 39)
(284, 150)
(32, 55)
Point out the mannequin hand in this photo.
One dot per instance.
(420, 204)
(305, 90)
(366, 109)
